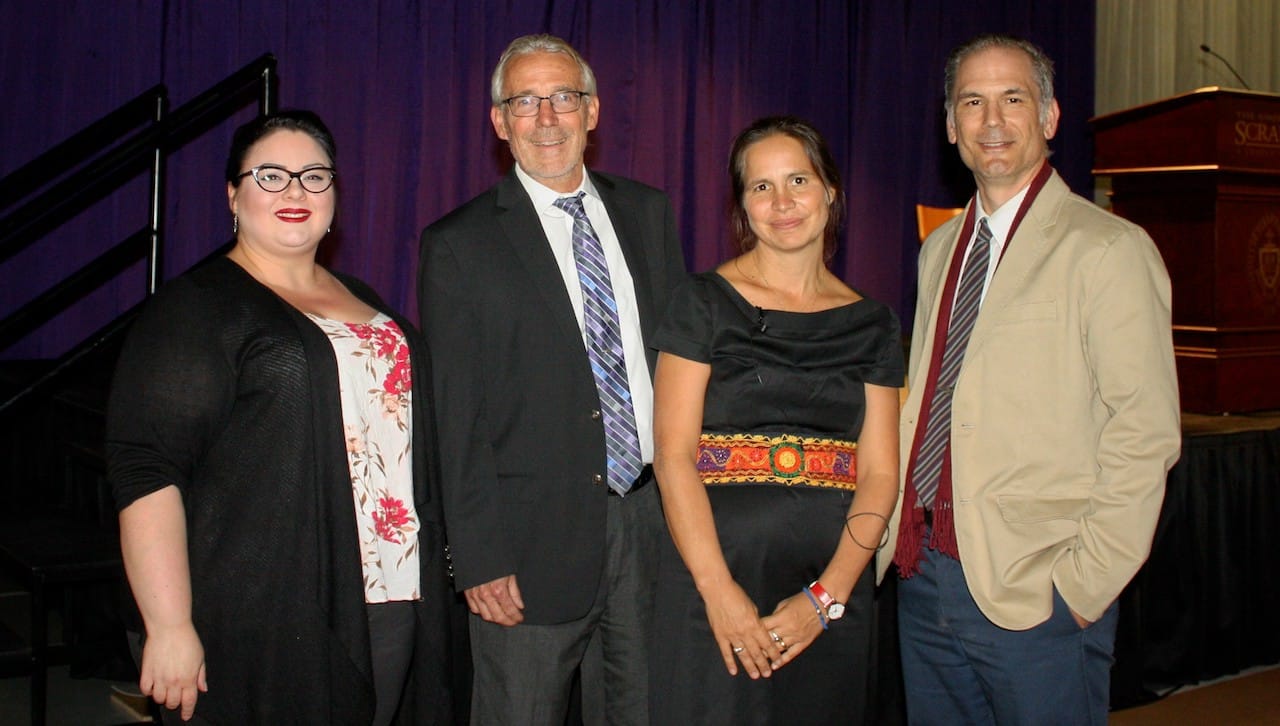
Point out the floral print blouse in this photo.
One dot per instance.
(374, 374)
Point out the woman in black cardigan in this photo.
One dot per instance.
(278, 582)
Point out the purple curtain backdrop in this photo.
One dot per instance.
(404, 87)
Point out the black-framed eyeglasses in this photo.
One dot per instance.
(274, 179)
(561, 102)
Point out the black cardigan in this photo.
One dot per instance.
(231, 394)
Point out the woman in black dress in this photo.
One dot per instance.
(775, 398)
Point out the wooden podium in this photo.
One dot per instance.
(1201, 173)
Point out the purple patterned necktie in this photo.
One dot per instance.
(604, 349)
(928, 469)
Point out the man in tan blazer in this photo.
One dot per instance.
(1041, 423)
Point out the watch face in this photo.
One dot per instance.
(835, 612)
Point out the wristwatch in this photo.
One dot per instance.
(835, 610)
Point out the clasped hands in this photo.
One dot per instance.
(762, 645)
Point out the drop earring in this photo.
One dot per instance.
(235, 224)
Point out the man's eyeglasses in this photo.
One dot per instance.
(561, 102)
(276, 179)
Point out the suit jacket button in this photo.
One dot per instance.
(597, 479)
(595, 414)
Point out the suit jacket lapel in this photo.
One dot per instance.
(631, 236)
(523, 230)
(1030, 244)
(933, 276)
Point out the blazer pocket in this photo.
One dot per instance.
(1028, 312)
(525, 487)
(1016, 509)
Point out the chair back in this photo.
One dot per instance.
(930, 218)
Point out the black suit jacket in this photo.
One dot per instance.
(520, 448)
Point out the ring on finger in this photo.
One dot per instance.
(739, 648)
(782, 644)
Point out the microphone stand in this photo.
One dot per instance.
(1206, 49)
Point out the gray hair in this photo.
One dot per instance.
(1041, 67)
(542, 43)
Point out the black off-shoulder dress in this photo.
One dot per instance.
(772, 373)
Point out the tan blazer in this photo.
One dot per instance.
(1065, 419)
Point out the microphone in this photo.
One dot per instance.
(1206, 49)
(763, 326)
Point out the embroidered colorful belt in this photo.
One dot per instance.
(784, 459)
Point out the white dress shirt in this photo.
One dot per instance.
(1000, 221)
(558, 227)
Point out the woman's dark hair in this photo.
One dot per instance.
(819, 157)
(288, 120)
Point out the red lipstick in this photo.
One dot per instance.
(293, 216)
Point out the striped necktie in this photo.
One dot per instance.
(928, 469)
(604, 349)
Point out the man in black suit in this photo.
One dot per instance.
(553, 531)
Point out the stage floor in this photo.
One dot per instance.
(1198, 424)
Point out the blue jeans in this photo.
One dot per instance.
(960, 668)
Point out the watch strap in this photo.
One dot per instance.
(821, 593)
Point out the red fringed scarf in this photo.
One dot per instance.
(911, 528)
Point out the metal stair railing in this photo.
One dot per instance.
(103, 163)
